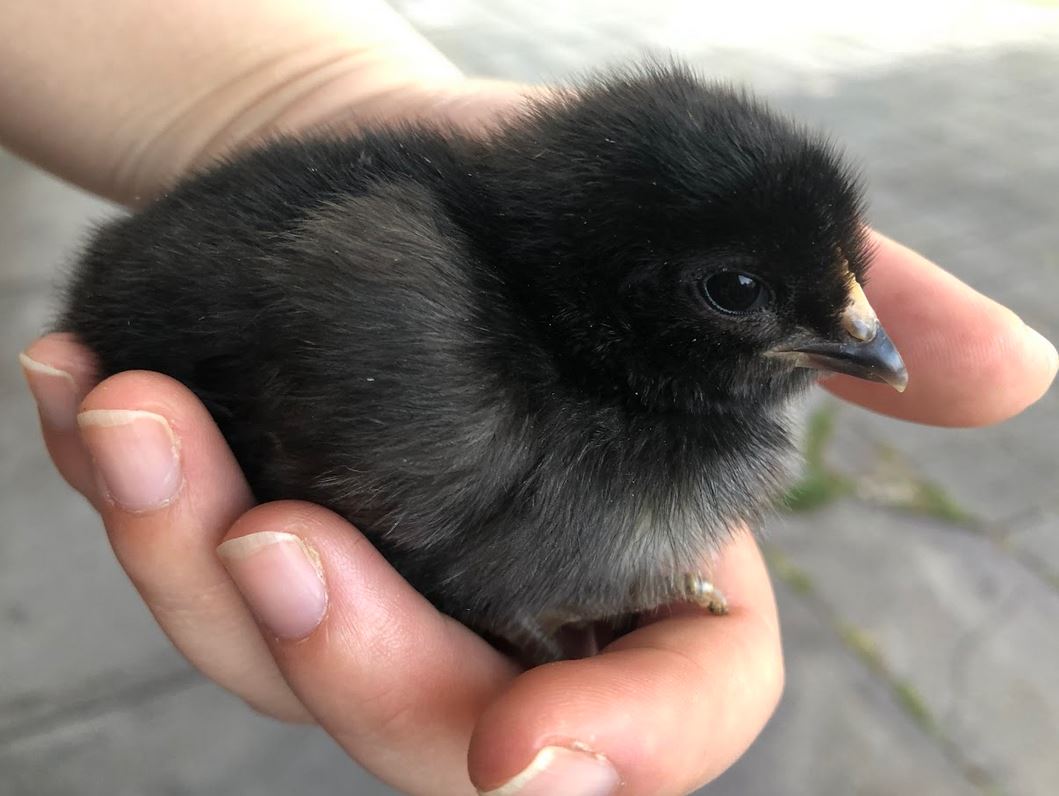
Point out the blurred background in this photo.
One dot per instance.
(917, 569)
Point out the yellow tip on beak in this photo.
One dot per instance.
(859, 319)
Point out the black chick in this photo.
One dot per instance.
(545, 372)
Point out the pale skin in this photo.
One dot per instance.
(124, 105)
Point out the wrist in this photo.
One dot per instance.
(125, 103)
(348, 98)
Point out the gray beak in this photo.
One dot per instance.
(866, 352)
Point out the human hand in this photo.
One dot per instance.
(155, 91)
(407, 691)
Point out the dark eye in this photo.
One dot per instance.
(734, 292)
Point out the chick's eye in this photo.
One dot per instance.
(735, 292)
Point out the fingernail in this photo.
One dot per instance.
(557, 769)
(135, 454)
(1045, 345)
(54, 390)
(281, 579)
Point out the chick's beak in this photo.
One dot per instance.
(865, 350)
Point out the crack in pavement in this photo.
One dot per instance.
(802, 588)
(92, 706)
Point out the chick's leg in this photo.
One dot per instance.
(531, 640)
(696, 589)
(559, 635)
(689, 587)
(556, 636)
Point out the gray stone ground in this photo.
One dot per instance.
(921, 621)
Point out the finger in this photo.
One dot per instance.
(395, 682)
(669, 706)
(169, 490)
(60, 372)
(971, 361)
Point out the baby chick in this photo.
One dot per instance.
(547, 371)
